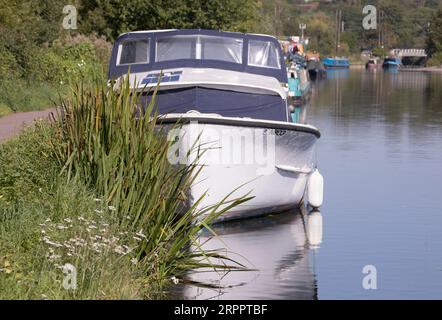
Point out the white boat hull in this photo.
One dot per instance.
(267, 160)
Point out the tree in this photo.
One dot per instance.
(322, 36)
(113, 17)
(434, 40)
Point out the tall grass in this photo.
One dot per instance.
(106, 141)
(46, 222)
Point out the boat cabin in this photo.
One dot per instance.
(227, 73)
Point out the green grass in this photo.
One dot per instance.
(4, 110)
(96, 190)
(18, 95)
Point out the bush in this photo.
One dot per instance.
(435, 60)
(47, 66)
(4, 110)
(21, 95)
(380, 52)
(8, 65)
(30, 76)
(27, 165)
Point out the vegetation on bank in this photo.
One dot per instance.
(95, 190)
(39, 57)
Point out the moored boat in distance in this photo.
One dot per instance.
(336, 62)
(228, 93)
(298, 84)
(391, 63)
(372, 63)
(315, 66)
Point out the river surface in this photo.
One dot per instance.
(381, 157)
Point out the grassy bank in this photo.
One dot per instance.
(95, 190)
(32, 76)
(19, 95)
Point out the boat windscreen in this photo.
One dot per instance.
(147, 51)
(135, 51)
(199, 47)
(263, 54)
(221, 49)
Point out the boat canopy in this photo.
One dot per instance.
(144, 51)
(226, 103)
(227, 73)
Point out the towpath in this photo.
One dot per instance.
(12, 124)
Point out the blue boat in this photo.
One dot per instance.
(336, 62)
(298, 85)
(391, 62)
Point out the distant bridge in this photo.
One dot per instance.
(409, 53)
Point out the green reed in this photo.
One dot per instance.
(119, 150)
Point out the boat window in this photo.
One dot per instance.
(222, 49)
(199, 47)
(263, 54)
(175, 48)
(134, 51)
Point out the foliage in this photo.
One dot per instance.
(434, 43)
(21, 95)
(95, 189)
(380, 52)
(113, 17)
(116, 151)
(40, 216)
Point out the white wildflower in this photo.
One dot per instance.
(54, 256)
(51, 243)
(119, 250)
(175, 280)
(141, 234)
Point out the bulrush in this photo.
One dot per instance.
(106, 139)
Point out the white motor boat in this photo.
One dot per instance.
(229, 93)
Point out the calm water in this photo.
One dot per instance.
(381, 158)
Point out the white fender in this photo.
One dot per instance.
(315, 189)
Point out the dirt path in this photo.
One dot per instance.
(12, 124)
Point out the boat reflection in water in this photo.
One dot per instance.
(280, 248)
